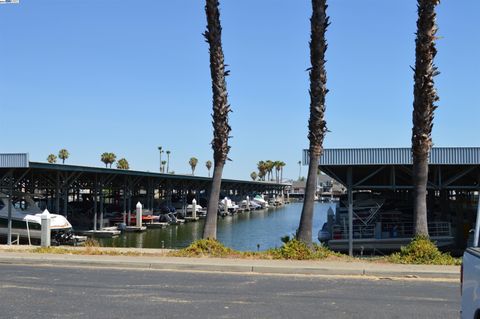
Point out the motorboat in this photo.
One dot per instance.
(228, 205)
(26, 219)
(260, 200)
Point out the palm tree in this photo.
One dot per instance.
(123, 164)
(269, 166)
(282, 165)
(52, 159)
(208, 164)
(111, 158)
(105, 158)
(425, 96)
(277, 165)
(63, 155)
(193, 164)
(168, 160)
(221, 108)
(316, 126)
(253, 175)
(163, 166)
(262, 168)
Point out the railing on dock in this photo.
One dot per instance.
(390, 230)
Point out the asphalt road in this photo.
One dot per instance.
(51, 292)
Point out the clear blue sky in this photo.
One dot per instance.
(128, 76)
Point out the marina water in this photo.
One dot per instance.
(242, 231)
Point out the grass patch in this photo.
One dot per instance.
(83, 251)
(422, 250)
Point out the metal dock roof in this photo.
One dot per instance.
(397, 156)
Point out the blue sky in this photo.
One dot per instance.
(127, 76)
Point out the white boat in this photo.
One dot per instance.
(26, 219)
(231, 206)
(261, 201)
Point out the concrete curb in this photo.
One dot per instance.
(235, 266)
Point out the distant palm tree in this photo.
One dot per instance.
(253, 175)
(317, 127)
(424, 106)
(282, 165)
(269, 166)
(278, 167)
(52, 159)
(168, 160)
(63, 155)
(163, 166)
(123, 164)
(221, 108)
(262, 169)
(111, 158)
(208, 164)
(105, 158)
(193, 164)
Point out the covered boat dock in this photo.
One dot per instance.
(69, 189)
(453, 181)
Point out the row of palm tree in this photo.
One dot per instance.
(265, 170)
(63, 154)
(423, 111)
(106, 158)
(193, 165)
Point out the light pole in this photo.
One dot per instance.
(161, 151)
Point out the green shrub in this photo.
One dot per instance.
(421, 250)
(297, 250)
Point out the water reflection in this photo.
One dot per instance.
(242, 232)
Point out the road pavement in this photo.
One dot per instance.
(88, 292)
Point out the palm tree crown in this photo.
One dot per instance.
(193, 164)
(123, 164)
(52, 159)
(63, 154)
(208, 164)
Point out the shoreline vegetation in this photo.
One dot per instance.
(420, 251)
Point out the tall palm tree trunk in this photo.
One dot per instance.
(424, 106)
(210, 230)
(317, 126)
(221, 108)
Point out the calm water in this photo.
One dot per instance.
(242, 232)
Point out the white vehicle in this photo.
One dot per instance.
(470, 277)
(26, 219)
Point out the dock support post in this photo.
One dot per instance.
(57, 194)
(350, 211)
(194, 209)
(139, 214)
(45, 233)
(101, 207)
(10, 203)
(95, 207)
